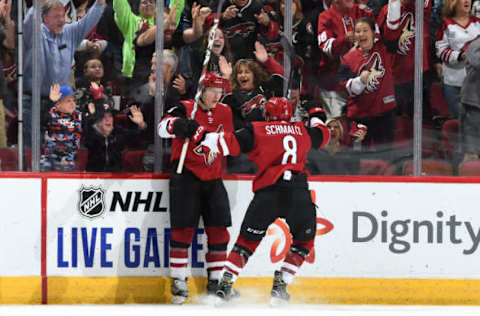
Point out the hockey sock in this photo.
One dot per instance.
(294, 259)
(239, 255)
(216, 256)
(180, 240)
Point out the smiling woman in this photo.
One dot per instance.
(220, 50)
(253, 82)
(366, 75)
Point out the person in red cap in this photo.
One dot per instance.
(279, 149)
(199, 189)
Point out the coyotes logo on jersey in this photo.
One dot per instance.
(257, 101)
(241, 29)
(408, 33)
(208, 156)
(375, 66)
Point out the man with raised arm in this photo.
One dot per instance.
(279, 149)
(57, 48)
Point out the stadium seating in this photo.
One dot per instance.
(449, 138)
(376, 167)
(403, 132)
(430, 167)
(132, 161)
(469, 168)
(9, 157)
(80, 160)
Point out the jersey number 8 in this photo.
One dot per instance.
(290, 146)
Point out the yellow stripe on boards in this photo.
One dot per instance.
(126, 290)
(20, 290)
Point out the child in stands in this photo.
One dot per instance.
(104, 140)
(62, 131)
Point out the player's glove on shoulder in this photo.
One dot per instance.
(315, 110)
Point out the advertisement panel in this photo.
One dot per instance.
(399, 230)
(20, 227)
(110, 227)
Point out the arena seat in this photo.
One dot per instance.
(28, 159)
(469, 168)
(430, 141)
(403, 132)
(81, 160)
(121, 119)
(430, 167)
(376, 167)
(132, 161)
(9, 157)
(449, 138)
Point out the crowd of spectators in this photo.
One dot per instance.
(355, 58)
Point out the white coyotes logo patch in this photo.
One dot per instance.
(408, 33)
(208, 156)
(377, 71)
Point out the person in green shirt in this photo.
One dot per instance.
(129, 23)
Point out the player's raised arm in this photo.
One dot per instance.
(318, 131)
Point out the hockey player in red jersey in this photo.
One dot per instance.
(279, 149)
(198, 190)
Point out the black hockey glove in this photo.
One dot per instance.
(196, 132)
(314, 109)
(180, 128)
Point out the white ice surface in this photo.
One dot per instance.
(236, 310)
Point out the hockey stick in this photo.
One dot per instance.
(211, 38)
(290, 52)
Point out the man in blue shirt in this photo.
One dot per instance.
(58, 44)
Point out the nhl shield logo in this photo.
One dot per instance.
(91, 202)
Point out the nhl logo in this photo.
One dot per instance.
(91, 202)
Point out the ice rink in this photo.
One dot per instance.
(235, 310)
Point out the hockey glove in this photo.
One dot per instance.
(179, 127)
(315, 110)
(196, 132)
(257, 114)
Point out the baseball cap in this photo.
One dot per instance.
(65, 91)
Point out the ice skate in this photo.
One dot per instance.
(224, 290)
(179, 291)
(279, 294)
(212, 286)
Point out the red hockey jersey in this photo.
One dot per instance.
(278, 147)
(219, 119)
(402, 30)
(274, 147)
(332, 29)
(375, 97)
